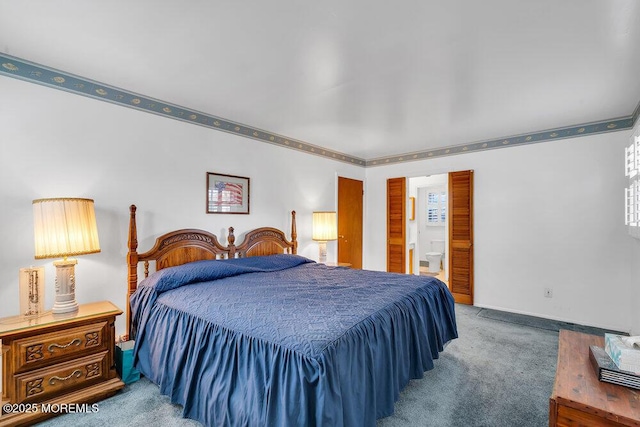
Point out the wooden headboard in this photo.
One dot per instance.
(190, 244)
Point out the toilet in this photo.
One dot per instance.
(435, 256)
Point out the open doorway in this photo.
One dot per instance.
(403, 243)
(427, 226)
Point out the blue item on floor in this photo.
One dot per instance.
(124, 362)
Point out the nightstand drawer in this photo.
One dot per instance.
(37, 385)
(45, 349)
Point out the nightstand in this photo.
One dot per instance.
(57, 359)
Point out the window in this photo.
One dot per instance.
(632, 158)
(632, 197)
(436, 207)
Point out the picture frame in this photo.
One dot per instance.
(227, 194)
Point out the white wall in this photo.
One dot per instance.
(57, 144)
(548, 215)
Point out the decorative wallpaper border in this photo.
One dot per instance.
(636, 113)
(524, 139)
(46, 76)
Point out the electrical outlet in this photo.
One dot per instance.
(548, 292)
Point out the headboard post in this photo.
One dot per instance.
(231, 239)
(294, 233)
(132, 260)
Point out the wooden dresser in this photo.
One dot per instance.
(579, 398)
(56, 360)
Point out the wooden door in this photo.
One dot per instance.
(396, 224)
(350, 194)
(461, 236)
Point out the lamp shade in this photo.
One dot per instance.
(324, 226)
(64, 227)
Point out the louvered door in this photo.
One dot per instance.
(461, 236)
(396, 224)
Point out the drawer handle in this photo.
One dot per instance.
(75, 374)
(75, 341)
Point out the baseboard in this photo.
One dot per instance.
(555, 318)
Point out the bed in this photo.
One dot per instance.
(255, 335)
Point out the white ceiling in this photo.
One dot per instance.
(366, 78)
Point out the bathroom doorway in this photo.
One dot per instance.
(458, 266)
(427, 226)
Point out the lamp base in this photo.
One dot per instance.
(322, 246)
(65, 301)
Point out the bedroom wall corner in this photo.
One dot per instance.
(59, 144)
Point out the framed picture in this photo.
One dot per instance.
(227, 194)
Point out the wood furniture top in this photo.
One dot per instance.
(579, 396)
(188, 245)
(16, 325)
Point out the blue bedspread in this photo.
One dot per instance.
(283, 341)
